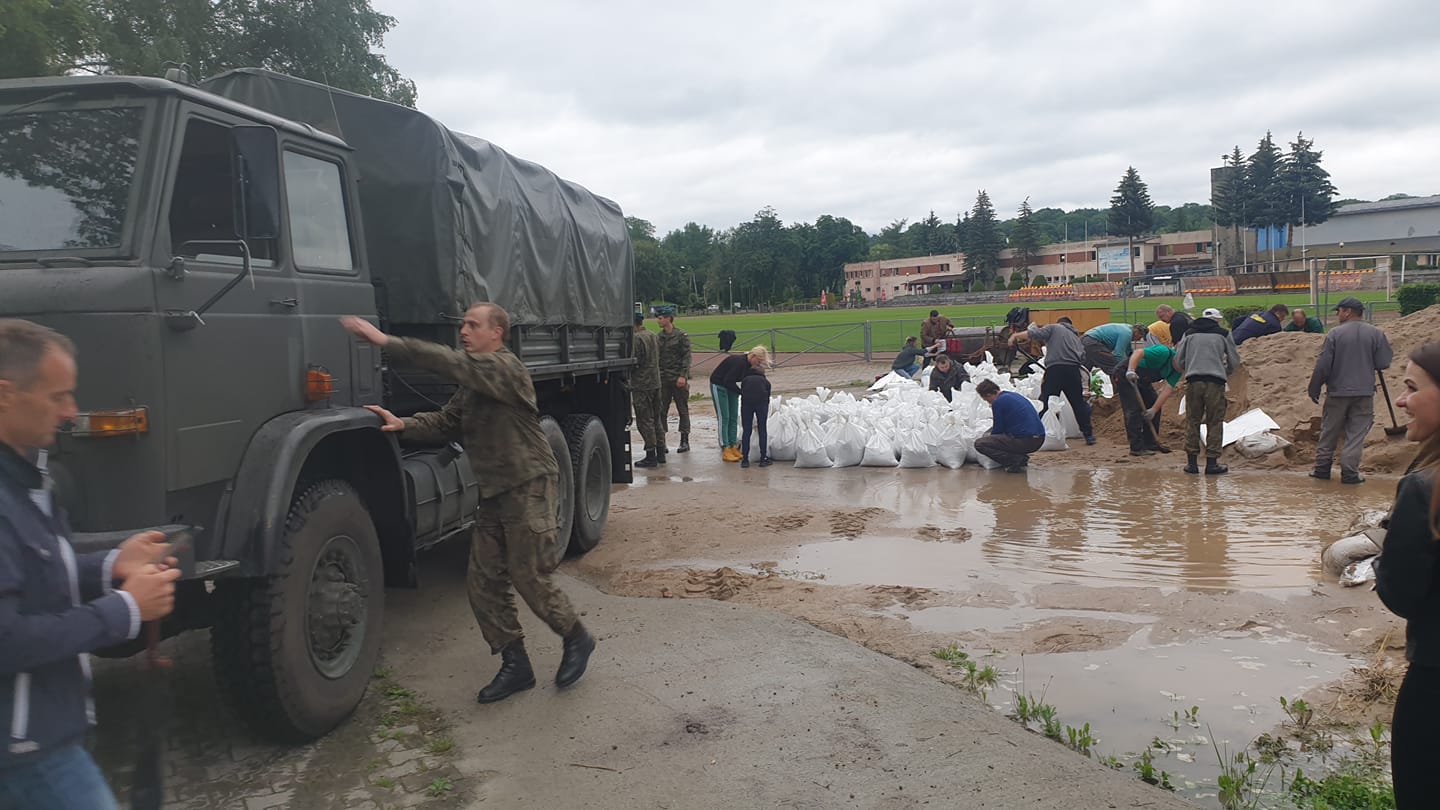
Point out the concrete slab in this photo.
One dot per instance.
(698, 704)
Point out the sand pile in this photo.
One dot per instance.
(1274, 378)
(1276, 375)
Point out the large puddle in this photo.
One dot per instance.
(1240, 533)
(1126, 527)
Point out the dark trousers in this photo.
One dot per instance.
(1007, 450)
(1204, 405)
(759, 413)
(1134, 405)
(1097, 354)
(1414, 744)
(1070, 381)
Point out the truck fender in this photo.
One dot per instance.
(332, 443)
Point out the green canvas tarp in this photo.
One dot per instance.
(450, 219)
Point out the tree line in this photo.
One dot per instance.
(327, 41)
(1270, 189)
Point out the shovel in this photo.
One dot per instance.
(1395, 429)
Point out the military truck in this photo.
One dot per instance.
(199, 242)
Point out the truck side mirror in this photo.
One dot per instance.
(255, 152)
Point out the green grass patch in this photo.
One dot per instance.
(840, 330)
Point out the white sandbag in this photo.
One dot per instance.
(846, 444)
(784, 436)
(810, 450)
(952, 448)
(878, 452)
(1358, 572)
(1054, 433)
(1068, 420)
(1346, 550)
(914, 452)
(1260, 444)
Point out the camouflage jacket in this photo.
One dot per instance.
(674, 355)
(493, 415)
(646, 376)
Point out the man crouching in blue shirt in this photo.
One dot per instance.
(1016, 431)
(56, 606)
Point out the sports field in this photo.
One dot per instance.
(841, 330)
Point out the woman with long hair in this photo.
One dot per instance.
(1407, 577)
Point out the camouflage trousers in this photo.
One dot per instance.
(1204, 405)
(681, 397)
(514, 534)
(647, 416)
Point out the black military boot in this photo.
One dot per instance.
(648, 461)
(1214, 467)
(515, 674)
(1192, 463)
(660, 455)
(684, 443)
(578, 646)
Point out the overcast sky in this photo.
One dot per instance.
(886, 109)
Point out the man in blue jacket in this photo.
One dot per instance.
(56, 606)
(1015, 432)
(1260, 324)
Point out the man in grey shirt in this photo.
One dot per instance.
(1351, 355)
(1064, 355)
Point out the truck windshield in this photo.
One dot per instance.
(65, 176)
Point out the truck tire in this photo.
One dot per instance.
(294, 651)
(564, 491)
(590, 458)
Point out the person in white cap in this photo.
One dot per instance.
(1214, 314)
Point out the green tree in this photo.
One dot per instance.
(1132, 213)
(44, 37)
(1229, 196)
(328, 41)
(1024, 241)
(1267, 205)
(1307, 185)
(983, 241)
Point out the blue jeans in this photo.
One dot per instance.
(909, 372)
(63, 779)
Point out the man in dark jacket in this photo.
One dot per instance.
(1260, 324)
(1349, 358)
(495, 415)
(947, 376)
(1207, 358)
(1064, 355)
(56, 606)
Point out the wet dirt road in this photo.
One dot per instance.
(1123, 596)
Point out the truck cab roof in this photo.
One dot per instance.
(151, 86)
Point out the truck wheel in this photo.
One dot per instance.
(564, 491)
(590, 456)
(294, 651)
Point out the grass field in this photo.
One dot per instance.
(840, 330)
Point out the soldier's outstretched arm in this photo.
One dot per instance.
(481, 373)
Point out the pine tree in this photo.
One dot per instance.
(1131, 211)
(1267, 205)
(982, 254)
(1229, 196)
(1024, 241)
(1306, 185)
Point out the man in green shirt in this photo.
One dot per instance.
(1139, 400)
(1300, 322)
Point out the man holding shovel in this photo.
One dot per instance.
(1139, 400)
(1351, 356)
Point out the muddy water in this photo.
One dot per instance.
(1136, 539)
(1117, 526)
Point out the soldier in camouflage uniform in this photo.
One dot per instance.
(645, 393)
(674, 379)
(494, 414)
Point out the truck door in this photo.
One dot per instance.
(324, 252)
(237, 363)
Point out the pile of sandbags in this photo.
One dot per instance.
(901, 423)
